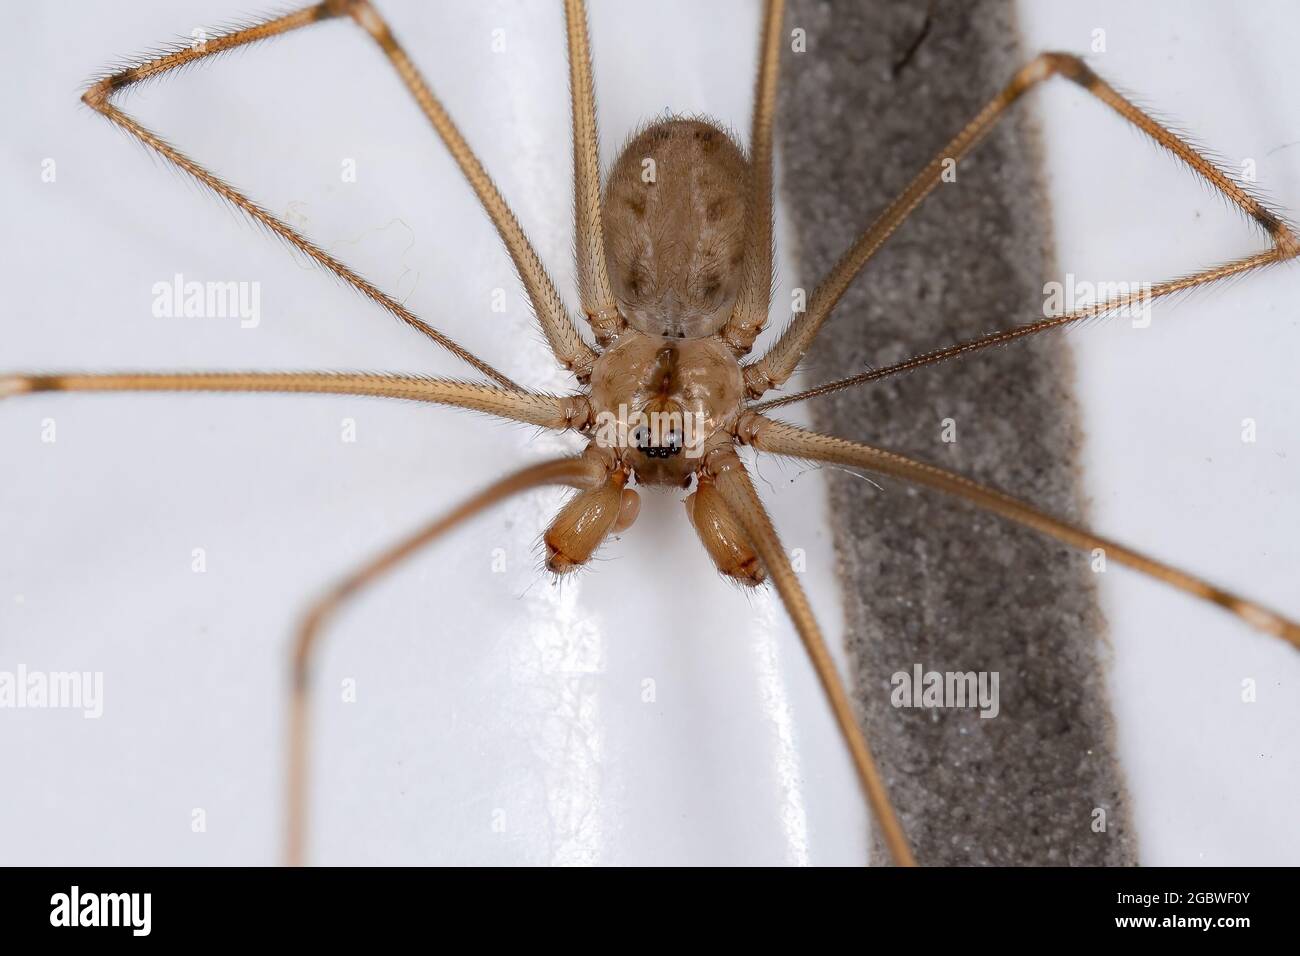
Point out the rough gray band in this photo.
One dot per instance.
(927, 580)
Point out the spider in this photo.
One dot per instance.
(668, 390)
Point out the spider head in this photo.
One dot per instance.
(658, 440)
(657, 445)
(661, 402)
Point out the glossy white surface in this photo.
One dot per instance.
(1213, 778)
(499, 718)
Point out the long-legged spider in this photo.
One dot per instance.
(713, 309)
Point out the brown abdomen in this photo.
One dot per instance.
(674, 227)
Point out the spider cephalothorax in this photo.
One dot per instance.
(657, 407)
(660, 401)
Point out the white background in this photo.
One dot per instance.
(1213, 778)
(501, 697)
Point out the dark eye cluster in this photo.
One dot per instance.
(671, 447)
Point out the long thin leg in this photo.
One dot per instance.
(738, 494)
(769, 435)
(567, 345)
(583, 472)
(755, 294)
(559, 329)
(99, 97)
(1157, 291)
(547, 411)
(589, 239)
(779, 363)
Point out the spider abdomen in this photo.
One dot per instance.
(675, 227)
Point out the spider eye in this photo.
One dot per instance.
(641, 436)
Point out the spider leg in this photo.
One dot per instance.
(562, 335)
(582, 472)
(779, 438)
(755, 295)
(1139, 299)
(547, 411)
(560, 332)
(737, 493)
(100, 95)
(774, 368)
(589, 234)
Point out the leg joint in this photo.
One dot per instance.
(1046, 65)
(758, 381)
(1070, 67)
(740, 338)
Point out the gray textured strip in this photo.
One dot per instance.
(928, 581)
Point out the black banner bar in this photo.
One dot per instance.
(333, 906)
